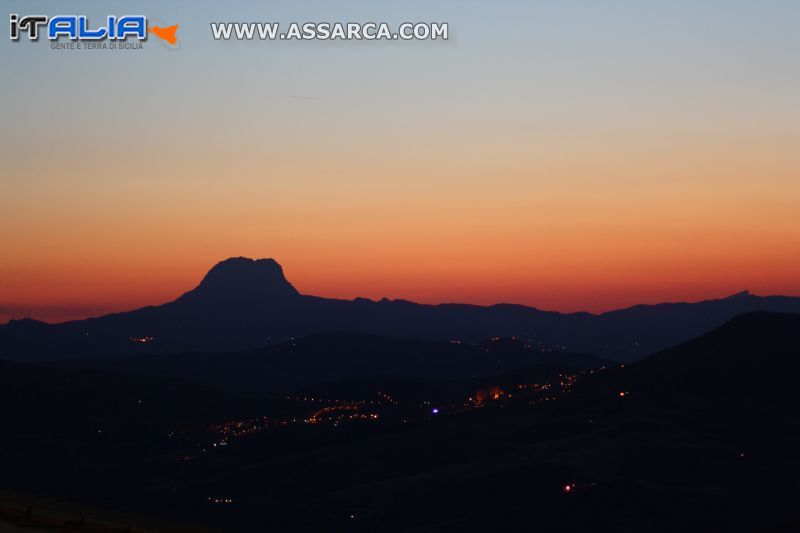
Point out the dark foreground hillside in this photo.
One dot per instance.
(700, 437)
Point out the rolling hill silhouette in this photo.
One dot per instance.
(755, 355)
(329, 357)
(244, 304)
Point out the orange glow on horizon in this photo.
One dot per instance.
(81, 290)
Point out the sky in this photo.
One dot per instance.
(574, 155)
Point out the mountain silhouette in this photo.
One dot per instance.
(240, 280)
(244, 304)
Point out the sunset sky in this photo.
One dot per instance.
(575, 155)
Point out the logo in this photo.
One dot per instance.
(166, 34)
(127, 31)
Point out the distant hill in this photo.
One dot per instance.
(246, 304)
(331, 357)
(740, 376)
(756, 355)
(55, 402)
